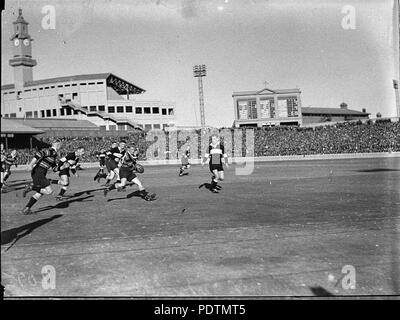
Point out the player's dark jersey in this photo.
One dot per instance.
(46, 158)
(69, 161)
(129, 160)
(115, 154)
(216, 153)
(9, 161)
(101, 155)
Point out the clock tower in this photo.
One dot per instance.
(22, 61)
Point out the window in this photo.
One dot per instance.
(157, 126)
(20, 109)
(34, 89)
(138, 110)
(67, 85)
(6, 115)
(35, 114)
(99, 82)
(13, 115)
(170, 111)
(46, 88)
(93, 108)
(102, 108)
(69, 111)
(48, 113)
(83, 84)
(60, 86)
(120, 109)
(147, 110)
(164, 112)
(62, 112)
(147, 127)
(76, 112)
(85, 107)
(52, 87)
(27, 90)
(54, 112)
(111, 109)
(74, 95)
(102, 128)
(121, 127)
(91, 83)
(129, 109)
(111, 128)
(156, 110)
(42, 114)
(74, 84)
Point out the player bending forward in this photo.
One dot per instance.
(215, 154)
(43, 161)
(185, 162)
(127, 175)
(64, 166)
(101, 156)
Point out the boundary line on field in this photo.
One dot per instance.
(242, 160)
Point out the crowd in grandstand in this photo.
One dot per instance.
(352, 137)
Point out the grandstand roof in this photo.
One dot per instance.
(11, 126)
(57, 124)
(117, 83)
(265, 91)
(331, 111)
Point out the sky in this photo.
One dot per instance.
(155, 43)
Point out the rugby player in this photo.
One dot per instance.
(101, 156)
(43, 161)
(217, 157)
(7, 163)
(114, 155)
(64, 166)
(127, 175)
(185, 162)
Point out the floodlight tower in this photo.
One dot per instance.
(199, 71)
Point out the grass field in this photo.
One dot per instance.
(288, 229)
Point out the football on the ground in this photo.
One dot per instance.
(139, 168)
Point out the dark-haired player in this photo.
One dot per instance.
(185, 162)
(64, 166)
(128, 176)
(216, 154)
(114, 155)
(101, 156)
(43, 161)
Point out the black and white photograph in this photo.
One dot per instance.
(200, 149)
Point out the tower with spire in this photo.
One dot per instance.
(22, 61)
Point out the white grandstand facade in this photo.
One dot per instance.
(104, 99)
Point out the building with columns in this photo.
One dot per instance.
(267, 107)
(106, 100)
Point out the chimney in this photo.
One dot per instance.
(343, 105)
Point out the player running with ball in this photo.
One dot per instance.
(215, 154)
(127, 169)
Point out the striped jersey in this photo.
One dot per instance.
(69, 161)
(46, 158)
(10, 160)
(129, 159)
(216, 153)
(115, 154)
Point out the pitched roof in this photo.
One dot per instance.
(331, 111)
(266, 91)
(112, 80)
(11, 126)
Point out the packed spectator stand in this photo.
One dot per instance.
(349, 137)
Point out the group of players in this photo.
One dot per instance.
(120, 161)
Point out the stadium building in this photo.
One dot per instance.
(269, 107)
(104, 99)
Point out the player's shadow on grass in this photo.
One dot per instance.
(321, 292)
(378, 170)
(80, 193)
(13, 235)
(206, 185)
(128, 196)
(63, 204)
